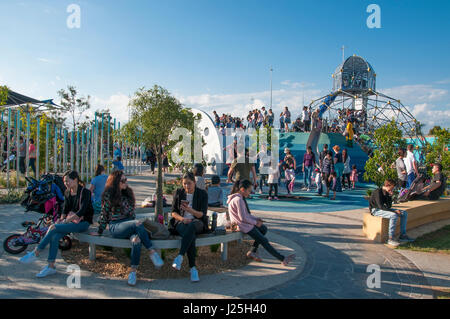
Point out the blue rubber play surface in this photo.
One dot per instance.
(346, 200)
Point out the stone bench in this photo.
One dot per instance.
(172, 242)
(420, 212)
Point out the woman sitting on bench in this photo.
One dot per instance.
(249, 224)
(189, 208)
(118, 205)
(76, 218)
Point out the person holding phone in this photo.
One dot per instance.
(247, 223)
(76, 218)
(189, 208)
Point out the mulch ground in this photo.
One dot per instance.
(115, 262)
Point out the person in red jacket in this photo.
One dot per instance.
(249, 224)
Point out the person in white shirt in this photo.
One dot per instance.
(411, 165)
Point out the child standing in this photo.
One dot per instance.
(289, 173)
(272, 180)
(318, 180)
(354, 176)
(333, 182)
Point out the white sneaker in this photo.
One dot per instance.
(156, 259)
(194, 275)
(132, 278)
(177, 262)
(393, 242)
(28, 258)
(46, 271)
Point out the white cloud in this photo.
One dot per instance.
(297, 85)
(116, 103)
(416, 93)
(430, 115)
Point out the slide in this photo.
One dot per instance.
(314, 136)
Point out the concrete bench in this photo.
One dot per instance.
(420, 212)
(172, 242)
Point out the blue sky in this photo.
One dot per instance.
(217, 54)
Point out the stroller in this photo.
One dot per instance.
(40, 198)
(4, 165)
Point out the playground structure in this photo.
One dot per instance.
(354, 87)
(64, 150)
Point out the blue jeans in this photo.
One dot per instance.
(339, 168)
(393, 220)
(307, 176)
(411, 178)
(128, 228)
(59, 232)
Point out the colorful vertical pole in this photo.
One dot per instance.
(8, 145)
(72, 140)
(17, 147)
(27, 159)
(55, 149)
(47, 131)
(38, 120)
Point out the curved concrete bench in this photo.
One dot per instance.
(420, 212)
(172, 242)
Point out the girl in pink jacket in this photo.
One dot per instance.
(249, 224)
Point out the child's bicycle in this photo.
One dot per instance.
(17, 243)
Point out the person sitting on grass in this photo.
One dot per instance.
(247, 223)
(189, 209)
(76, 218)
(215, 193)
(380, 204)
(118, 204)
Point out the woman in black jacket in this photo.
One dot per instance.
(76, 218)
(189, 208)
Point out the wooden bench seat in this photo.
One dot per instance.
(420, 212)
(172, 242)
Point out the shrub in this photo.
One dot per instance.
(11, 197)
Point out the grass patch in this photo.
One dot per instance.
(442, 294)
(435, 242)
(11, 197)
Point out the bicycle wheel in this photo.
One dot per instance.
(65, 243)
(10, 245)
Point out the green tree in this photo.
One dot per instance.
(387, 140)
(3, 94)
(76, 106)
(438, 151)
(158, 113)
(434, 130)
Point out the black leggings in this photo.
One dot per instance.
(257, 233)
(273, 186)
(188, 233)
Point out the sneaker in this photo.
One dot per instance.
(194, 275)
(156, 260)
(405, 239)
(28, 258)
(260, 192)
(393, 242)
(132, 278)
(288, 259)
(275, 198)
(253, 256)
(177, 262)
(47, 271)
(308, 189)
(269, 198)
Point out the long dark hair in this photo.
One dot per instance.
(99, 169)
(344, 158)
(74, 175)
(239, 184)
(112, 188)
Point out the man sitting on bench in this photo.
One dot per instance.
(436, 187)
(380, 204)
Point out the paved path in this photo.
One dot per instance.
(333, 262)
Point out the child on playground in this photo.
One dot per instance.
(289, 175)
(332, 181)
(118, 166)
(354, 176)
(318, 180)
(272, 180)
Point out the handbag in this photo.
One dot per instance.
(156, 230)
(77, 219)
